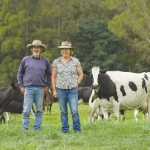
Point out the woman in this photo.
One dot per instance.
(66, 76)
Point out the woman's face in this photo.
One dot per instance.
(66, 52)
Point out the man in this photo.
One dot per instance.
(34, 76)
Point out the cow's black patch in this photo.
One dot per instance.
(94, 97)
(146, 76)
(122, 90)
(122, 112)
(107, 88)
(146, 89)
(132, 86)
(144, 85)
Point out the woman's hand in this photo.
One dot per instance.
(55, 94)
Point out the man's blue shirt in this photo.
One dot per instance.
(34, 72)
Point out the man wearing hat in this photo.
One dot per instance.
(34, 76)
(66, 76)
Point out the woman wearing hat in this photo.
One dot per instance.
(34, 76)
(66, 76)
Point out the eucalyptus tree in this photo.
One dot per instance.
(132, 25)
(16, 25)
(97, 46)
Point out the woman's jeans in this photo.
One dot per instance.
(69, 96)
(32, 95)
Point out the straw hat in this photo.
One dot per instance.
(66, 44)
(36, 43)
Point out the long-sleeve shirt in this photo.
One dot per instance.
(34, 72)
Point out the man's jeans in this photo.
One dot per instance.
(70, 96)
(32, 95)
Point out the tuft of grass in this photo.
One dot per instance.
(103, 135)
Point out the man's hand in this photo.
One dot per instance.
(46, 89)
(22, 89)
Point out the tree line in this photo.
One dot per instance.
(106, 33)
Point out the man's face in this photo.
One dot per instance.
(36, 50)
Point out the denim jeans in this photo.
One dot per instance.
(32, 95)
(69, 96)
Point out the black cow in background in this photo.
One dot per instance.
(7, 94)
(84, 94)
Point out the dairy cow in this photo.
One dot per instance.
(84, 94)
(123, 90)
(7, 94)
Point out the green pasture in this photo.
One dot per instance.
(103, 135)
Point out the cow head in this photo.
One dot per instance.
(95, 73)
(16, 93)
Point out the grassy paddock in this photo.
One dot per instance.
(95, 136)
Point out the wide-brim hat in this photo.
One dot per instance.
(66, 44)
(37, 43)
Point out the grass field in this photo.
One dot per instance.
(103, 135)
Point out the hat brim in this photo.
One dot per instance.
(29, 47)
(65, 47)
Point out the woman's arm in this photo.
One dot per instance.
(80, 74)
(54, 72)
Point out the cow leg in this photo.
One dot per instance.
(122, 115)
(80, 101)
(91, 115)
(105, 113)
(136, 111)
(32, 112)
(116, 106)
(100, 117)
(2, 118)
(12, 114)
(47, 106)
(148, 103)
(50, 107)
(94, 107)
(6, 117)
(100, 113)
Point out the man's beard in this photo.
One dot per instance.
(36, 54)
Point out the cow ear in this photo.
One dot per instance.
(13, 84)
(103, 71)
(86, 72)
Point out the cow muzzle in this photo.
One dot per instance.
(95, 86)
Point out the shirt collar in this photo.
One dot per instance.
(35, 58)
(60, 58)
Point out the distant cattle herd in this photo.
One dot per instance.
(111, 92)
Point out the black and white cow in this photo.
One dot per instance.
(7, 94)
(123, 90)
(14, 108)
